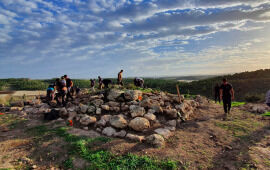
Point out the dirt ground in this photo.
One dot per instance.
(205, 142)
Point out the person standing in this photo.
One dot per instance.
(69, 85)
(92, 84)
(100, 84)
(227, 95)
(267, 98)
(216, 91)
(120, 78)
(63, 90)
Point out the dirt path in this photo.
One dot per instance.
(205, 142)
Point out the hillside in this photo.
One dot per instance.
(250, 86)
(247, 85)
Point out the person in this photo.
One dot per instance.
(50, 92)
(268, 98)
(138, 82)
(77, 90)
(62, 91)
(216, 91)
(69, 85)
(227, 95)
(106, 83)
(120, 78)
(100, 84)
(92, 84)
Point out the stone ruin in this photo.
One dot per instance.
(131, 114)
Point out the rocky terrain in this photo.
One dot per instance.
(129, 114)
(132, 129)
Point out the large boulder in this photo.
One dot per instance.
(185, 109)
(134, 137)
(114, 94)
(163, 132)
(139, 124)
(156, 140)
(131, 95)
(86, 120)
(136, 111)
(118, 121)
(109, 131)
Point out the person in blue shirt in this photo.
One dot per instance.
(50, 92)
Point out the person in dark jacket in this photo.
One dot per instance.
(100, 84)
(69, 85)
(227, 95)
(92, 84)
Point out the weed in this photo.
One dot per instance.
(68, 163)
(266, 114)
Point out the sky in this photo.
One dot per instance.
(147, 38)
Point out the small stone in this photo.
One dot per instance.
(120, 134)
(172, 123)
(83, 108)
(63, 112)
(134, 137)
(98, 111)
(101, 122)
(150, 116)
(85, 128)
(91, 109)
(163, 132)
(105, 107)
(108, 131)
(118, 121)
(86, 120)
(156, 140)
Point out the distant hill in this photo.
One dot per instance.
(188, 78)
(247, 85)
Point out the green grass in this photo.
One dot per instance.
(266, 114)
(101, 159)
(235, 104)
(240, 127)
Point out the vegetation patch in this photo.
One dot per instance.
(240, 127)
(102, 159)
(266, 114)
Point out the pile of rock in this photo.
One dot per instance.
(131, 114)
(256, 108)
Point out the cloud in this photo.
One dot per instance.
(160, 35)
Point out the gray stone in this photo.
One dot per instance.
(118, 121)
(108, 131)
(120, 134)
(157, 108)
(98, 102)
(172, 113)
(83, 108)
(63, 112)
(156, 140)
(136, 111)
(91, 109)
(172, 123)
(131, 95)
(101, 122)
(163, 132)
(71, 115)
(98, 111)
(114, 94)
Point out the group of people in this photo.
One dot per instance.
(104, 83)
(62, 89)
